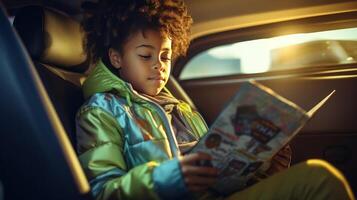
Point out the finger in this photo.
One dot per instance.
(194, 157)
(281, 161)
(284, 155)
(198, 170)
(287, 149)
(200, 180)
(274, 168)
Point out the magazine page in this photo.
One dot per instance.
(254, 125)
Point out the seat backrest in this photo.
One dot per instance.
(54, 42)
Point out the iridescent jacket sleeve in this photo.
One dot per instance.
(100, 145)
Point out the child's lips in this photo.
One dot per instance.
(157, 78)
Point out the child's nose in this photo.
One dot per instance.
(159, 65)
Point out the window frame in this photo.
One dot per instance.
(304, 25)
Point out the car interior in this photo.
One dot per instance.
(43, 67)
(54, 43)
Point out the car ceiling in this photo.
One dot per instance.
(211, 16)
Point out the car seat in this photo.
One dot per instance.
(54, 43)
(37, 160)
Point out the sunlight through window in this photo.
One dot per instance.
(277, 53)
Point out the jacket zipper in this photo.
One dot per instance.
(171, 137)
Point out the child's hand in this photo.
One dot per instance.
(197, 178)
(280, 161)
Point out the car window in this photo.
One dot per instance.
(276, 53)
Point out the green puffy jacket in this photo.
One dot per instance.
(126, 143)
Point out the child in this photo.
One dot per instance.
(131, 130)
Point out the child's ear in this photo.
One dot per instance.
(115, 58)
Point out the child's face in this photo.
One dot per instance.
(146, 61)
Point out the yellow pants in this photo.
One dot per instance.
(313, 179)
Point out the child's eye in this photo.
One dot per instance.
(146, 57)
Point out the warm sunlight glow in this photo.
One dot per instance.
(255, 55)
(277, 53)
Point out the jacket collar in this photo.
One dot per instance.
(101, 79)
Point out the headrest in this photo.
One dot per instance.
(51, 37)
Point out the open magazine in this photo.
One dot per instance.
(251, 129)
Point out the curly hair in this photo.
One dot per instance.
(112, 22)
